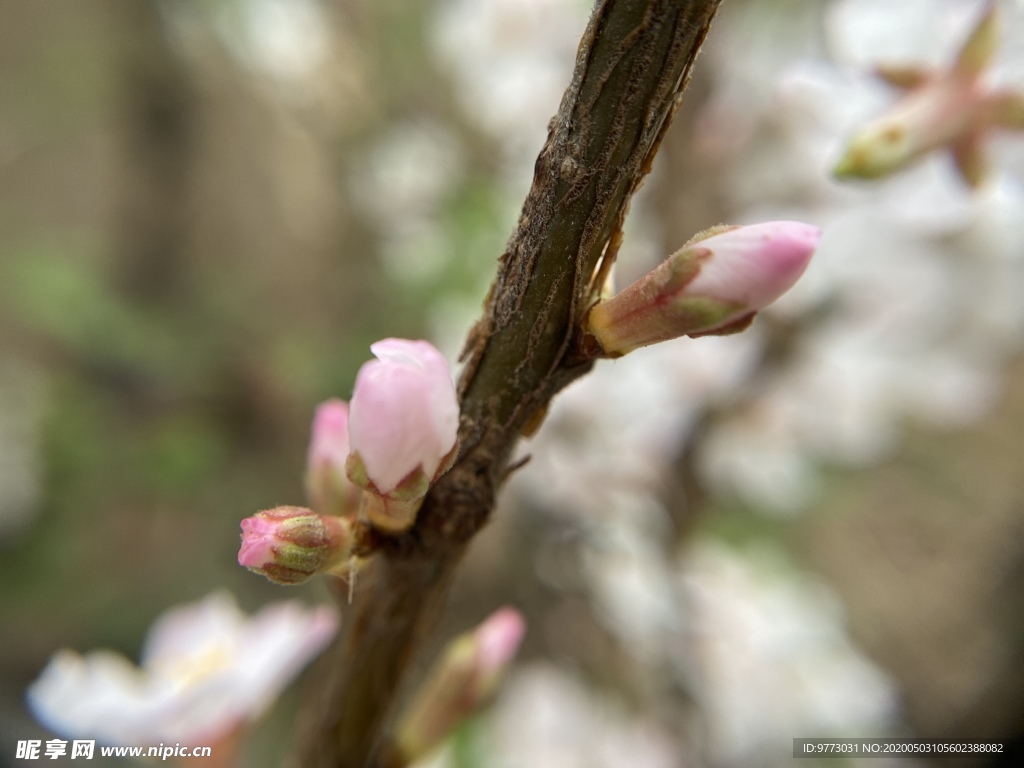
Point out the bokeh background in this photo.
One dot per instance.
(209, 210)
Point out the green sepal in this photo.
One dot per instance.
(738, 325)
(703, 314)
(1008, 110)
(356, 471)
(979, 49)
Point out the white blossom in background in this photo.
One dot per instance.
(631, 582)
(775, 659)
(748, 47)
(613, 430)
(206, 669)
(288, 40)
(545, 718)
(511, 60)
(758, 458)
(408, 172)
(864, 32)
(401, 184)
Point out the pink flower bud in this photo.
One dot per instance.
(714, 285)
(289, 545)
(498, 639)
(329, 489)
(403, 427)
(948, 111)
(951, 108)
(465, 677)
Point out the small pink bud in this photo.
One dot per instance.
(290, 545)
(462, 682)
(713, 285)
(329, 489)
(403, 426)
(498, 639)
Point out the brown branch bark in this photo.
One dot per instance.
(631, 68)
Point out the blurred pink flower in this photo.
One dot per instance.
(206, 669)
(712, 286)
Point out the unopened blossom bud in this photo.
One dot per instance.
(937, 114)
(714, 285)
(290, 545)
(403, 428)
(952, 108)
(463, 681)
(328, 487)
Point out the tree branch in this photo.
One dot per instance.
(631, 68)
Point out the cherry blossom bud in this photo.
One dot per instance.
(403, 427)
(714, 285)
(290, 545)
(463, 681)
(329, 489)
(952, 108)
(944, 112)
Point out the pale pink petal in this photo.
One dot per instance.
(258, 542)
(498, 639)
(754, 265)
(404, 413)
(329, 442)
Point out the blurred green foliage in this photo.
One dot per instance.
(179, 321)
